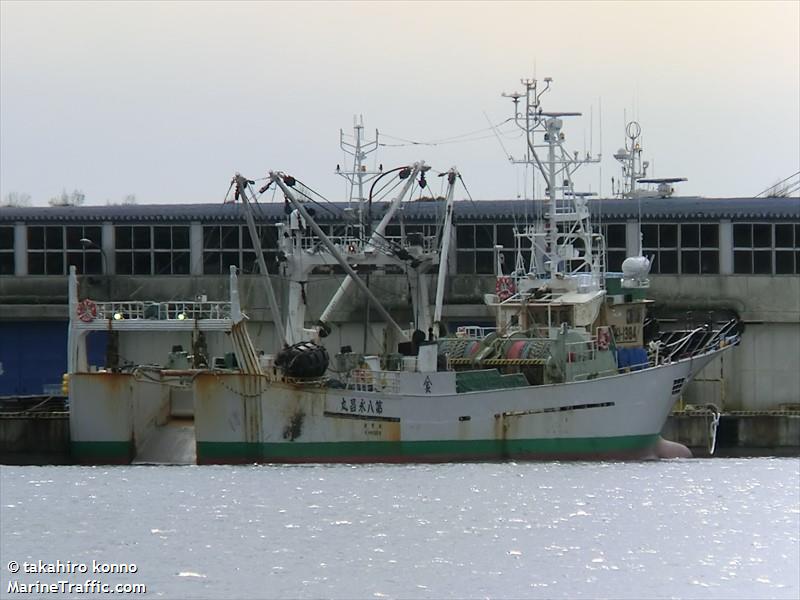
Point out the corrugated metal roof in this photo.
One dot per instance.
(683, 208)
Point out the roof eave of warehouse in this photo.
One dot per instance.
(692, 208)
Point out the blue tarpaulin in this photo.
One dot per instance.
(635, 358)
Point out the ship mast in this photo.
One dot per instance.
(567, 244)
(630, 157)
(360, 175)
(634, 170)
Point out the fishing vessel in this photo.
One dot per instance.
(572, 367)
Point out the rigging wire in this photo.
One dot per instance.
(465, 137)
(335, 212)
(792, 187)
(383, 192)
(496, 134)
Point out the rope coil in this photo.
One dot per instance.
(712, 427)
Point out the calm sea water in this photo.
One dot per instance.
(722, 528)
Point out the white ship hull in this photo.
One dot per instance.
(245, 418)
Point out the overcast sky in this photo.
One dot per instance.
(165, 100)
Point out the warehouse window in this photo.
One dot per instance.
(688, 248)
(787, 248)
(6, 250)
(427, 235)
(699, 248)
(766, 248)
(661, 243)
(220, 248)
(616, 245)
(268, 239)
(226, 245)
(52, 249)
(152, 249)
(392, 238)
(475, 248)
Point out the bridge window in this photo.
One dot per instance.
(766, 248)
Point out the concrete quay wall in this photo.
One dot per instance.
(760, 434)
(34, 439)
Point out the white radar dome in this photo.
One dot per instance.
(635, 267)
(634, 272)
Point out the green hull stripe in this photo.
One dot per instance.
(102, 451)
(487, 449)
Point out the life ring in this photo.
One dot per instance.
(603, 338)
(504, 288)
(87, 310)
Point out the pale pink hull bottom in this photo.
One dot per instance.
(666, 449)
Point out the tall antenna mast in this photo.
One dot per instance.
(634, 169)
(567, 225)
(630, 157)
(600, 142)
(358, 149)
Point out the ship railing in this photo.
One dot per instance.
(429, 242)
(611, 372)
(301, 381)
(347, 244)
(584, 350)
(539, 332)
(367, 380)
(675, 345)
(355, 245)
(543, 299)
(474, 331)
(162, 311)
(587, 349)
